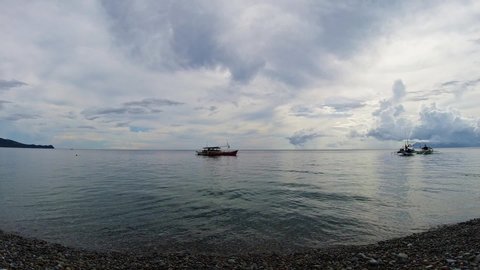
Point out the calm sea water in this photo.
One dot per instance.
(281, 201)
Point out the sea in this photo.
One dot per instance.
(262, 201)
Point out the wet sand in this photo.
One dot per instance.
(454, 246)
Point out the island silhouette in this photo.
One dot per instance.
(14, 144)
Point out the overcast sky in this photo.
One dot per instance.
(258, 74)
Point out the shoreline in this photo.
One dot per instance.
(444, 247)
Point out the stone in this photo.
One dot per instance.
(372, 262)
(402, 256)
(431, 251)
(363, 256)
(450, 261)
(476, 259)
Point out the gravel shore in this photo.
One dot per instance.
(447, 247)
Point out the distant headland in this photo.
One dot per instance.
(14, 144)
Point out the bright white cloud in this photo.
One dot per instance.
(391, 124)
(439, 127)
(446, 128)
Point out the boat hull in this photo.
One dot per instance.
(425, 152)
(217, 153)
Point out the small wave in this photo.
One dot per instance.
(298, 171)
(471, 174)
(297, 185)
(318, 195)
(439, 190)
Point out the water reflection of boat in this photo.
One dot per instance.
(425, 150)
(406, 150)
(214, 151)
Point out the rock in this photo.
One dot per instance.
(476, 259)
(372, 262)
(363, 256)
(402, 257)
(429, 250)
(450, 261)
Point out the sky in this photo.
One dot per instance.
(271, 74)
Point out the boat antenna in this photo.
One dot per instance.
(410, 133)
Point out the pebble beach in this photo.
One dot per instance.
(454, 246)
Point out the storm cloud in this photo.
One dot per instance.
(275, 39)
(2, 103)
(143, 107)
(300, 138)
(152, 102)
(6, 85)
(20, 116)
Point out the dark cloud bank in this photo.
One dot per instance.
(2, 103)
(276, 39)
(143, 107)
(301, 137)
(6, 85)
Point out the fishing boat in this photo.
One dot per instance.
(425, 150)
(406, 150)
(214, 151)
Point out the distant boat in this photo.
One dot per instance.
(214, 151)
(406, 150)
(425, 150)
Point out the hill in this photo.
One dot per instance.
(14, 144)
